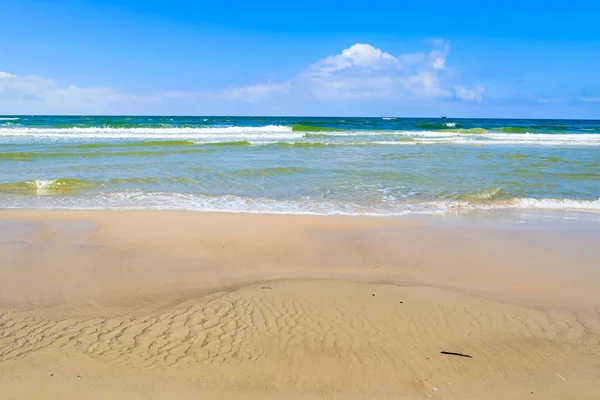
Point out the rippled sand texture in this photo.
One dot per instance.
(295, 338)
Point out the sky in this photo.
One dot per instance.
(509, 59)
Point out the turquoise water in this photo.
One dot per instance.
(375, 166)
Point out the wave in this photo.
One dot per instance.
(432, 125)
(459, 136)
(47, 186)
(237, 143)
(198, 133)
(119, 125)
(158, 137)
(150, 129)
(303, 144)
(484, 195)
(342, 134)
(70, 186)
(159, 143)
(62, 189)
(406, 141)
(9, 119)
(469, 136)
(556, 204)
(139, 149)
(515, 203)
(475, 131)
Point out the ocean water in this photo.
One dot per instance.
(353, 166)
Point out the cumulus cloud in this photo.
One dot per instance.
(361, 74)
(364, 72)
(358, 55)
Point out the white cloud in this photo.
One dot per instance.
(590, 99)
(35, 94)
(361, 74)
(364, 72)
(357, 55)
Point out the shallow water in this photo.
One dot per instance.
(374, 166)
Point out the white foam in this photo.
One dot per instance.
(43, 183)
(8, 119)
(285, 133)
(425, 137)
(521, 203)
(134, 200)
(558, 204)
(390, 142)
(137, 200)
(209, 133)
(43, 186)
(119, 131)
(439, 137)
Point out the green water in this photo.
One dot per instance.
(369, 166)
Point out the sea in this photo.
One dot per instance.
(298, 165)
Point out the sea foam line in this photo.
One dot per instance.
(137, 200)
(215, 129)
(233, 132)
(280, 132)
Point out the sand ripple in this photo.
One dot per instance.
(327, 333)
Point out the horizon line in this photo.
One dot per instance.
(292, 116)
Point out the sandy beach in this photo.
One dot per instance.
(181, 305)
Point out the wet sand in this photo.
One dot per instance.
(153, 305)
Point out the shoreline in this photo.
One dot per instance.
(150, 304)
(480, 214)
(51, 193)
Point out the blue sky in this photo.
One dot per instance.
(459, 58)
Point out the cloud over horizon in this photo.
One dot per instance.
(363, 72)
(359, 73)
(36, 94)
(360, 80)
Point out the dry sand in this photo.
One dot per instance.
(165, 305)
